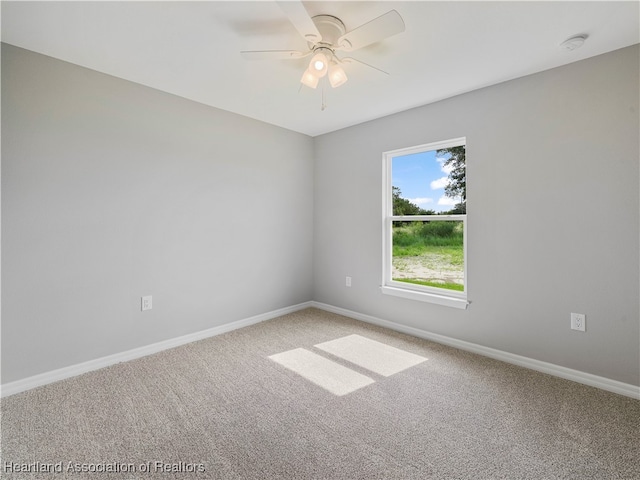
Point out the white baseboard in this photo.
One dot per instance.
(603, 383)
(18, 386)
(549, 368)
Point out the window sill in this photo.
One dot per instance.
(445, 300)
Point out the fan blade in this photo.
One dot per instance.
(351, 59)
(273, 54)
(377, 29)
(300, 19)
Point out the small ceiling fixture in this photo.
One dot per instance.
(574, 42)
(326, 34)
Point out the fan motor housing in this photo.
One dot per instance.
(331, 28)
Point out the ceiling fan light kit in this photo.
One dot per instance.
(321, 64)
(326, 34)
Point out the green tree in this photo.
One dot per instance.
(458, 209)
(457, 186)
(402, 206)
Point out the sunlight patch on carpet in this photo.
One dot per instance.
(377, 357)
(329, 375)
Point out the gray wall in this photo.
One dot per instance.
(553, 210)
(111, 191)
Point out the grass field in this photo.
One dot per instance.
(430, 253)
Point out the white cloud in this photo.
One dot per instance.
(448, 201)
(445, 168)
(420, 200)
(439, 183)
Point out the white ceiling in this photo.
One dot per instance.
(191, 49)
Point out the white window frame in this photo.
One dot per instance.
(440, 296)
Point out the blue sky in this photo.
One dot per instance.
(422, 178)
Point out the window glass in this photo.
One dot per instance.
(425, 218)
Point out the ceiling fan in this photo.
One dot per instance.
(326, 35)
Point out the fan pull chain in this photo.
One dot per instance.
(324, 104)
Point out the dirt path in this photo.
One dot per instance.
(431, 267)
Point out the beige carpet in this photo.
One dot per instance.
(222, 405)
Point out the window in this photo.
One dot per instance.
(425, 223)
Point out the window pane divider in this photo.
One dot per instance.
(412, 218)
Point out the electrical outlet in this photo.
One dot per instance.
(578, 322)
(347, 281)
(147, 303)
